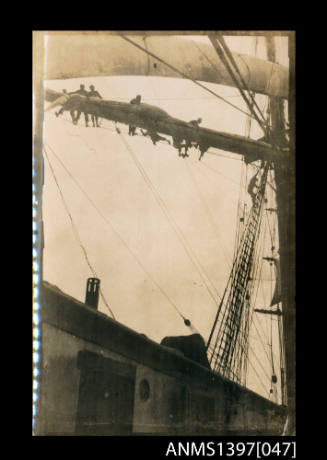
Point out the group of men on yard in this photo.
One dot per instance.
(178, 142)
(75, 114)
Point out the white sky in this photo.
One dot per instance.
(201, 199)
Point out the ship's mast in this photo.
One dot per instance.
(284, 177)
(285, 196)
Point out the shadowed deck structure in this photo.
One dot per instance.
(102, 378)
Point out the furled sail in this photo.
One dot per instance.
(112, 55)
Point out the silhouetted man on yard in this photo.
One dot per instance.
(131, 128)
(95, 94)
(155, 137)
(196, 123)
(82, 91)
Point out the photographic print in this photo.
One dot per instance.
(163, 233)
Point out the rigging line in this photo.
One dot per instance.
(256, 238)
(269, 183)
(256, 258)
(239, 355)
(221, 155)
(208, 212)
(269, 227)
(253, 367)
(255, 46)
(274, 226)
(205, 55)
(206, 175)
(263, 345)
(78, 135)
(259, 362)
(233, 200)
(232, 273)
(75, 231)
(224, 56)
(250, 362)
(254, 317)
(241, 237)
(254, 337)
(268, 83)
(101, 127)
(248, 126)
(182, 73)
(221, 174)
(271, 347)
(232, 60)
(218, 46)
(248, 122)
(270, 232)
(260, 255)
(175, 227)
(228, 178)
(271, 328)
(118, 236)
(240, 206)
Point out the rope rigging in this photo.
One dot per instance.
(244, 330)
(108, 222)
(236, 306)
(182, 74)
(76, 234)
(228, 60)
(246, 354)
(240, 344)
(187, 323)
(208, 212)
(227, 285)
(255, 289)
(188, 249)
(272, 359)
(253, 102)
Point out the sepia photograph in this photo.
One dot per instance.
(164, 233)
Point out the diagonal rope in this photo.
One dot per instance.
(232, 60)
(119, 236)
(224, 53)
(208, 212)
(183, 74)
(76, 234)
(188, 249)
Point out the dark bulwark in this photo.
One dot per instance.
(99, 377)
(155, 119)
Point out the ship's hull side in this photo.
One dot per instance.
(100, 378)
